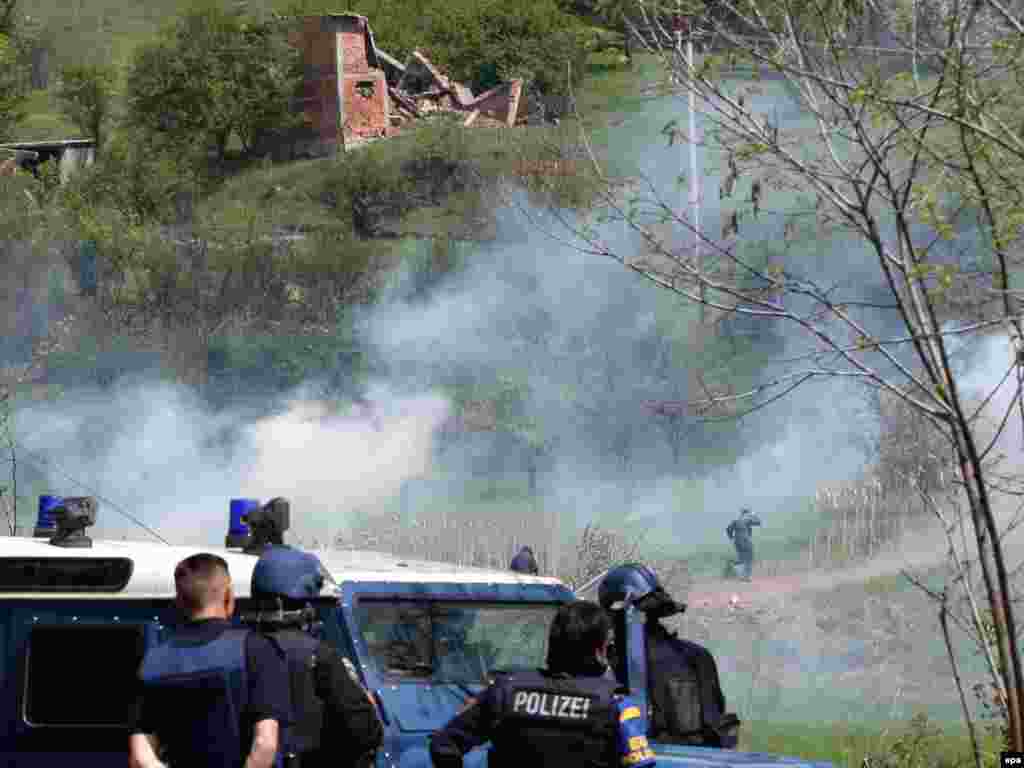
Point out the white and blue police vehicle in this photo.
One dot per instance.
(77, 616)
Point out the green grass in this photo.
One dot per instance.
(313, 194)
(617, 88)
(845, 744)
(887, 584)
(45, 120)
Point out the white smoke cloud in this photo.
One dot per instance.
(156, 451)
(168, 458)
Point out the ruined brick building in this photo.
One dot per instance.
(345, 90)
(354, 91)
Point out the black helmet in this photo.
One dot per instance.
(524, 562)
(632, 578)
(290, 574)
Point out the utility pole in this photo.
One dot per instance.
(913, 7)
(694, 183)
(685, 24)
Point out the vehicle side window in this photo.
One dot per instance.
(81, 675)
(509, 638)
(449, 641)
(398, 637)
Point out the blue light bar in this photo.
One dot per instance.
(46, 522)
(238, 528)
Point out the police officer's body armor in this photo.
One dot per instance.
(686, 701)
(551, 720)
(687, 705)
(303, 735)
(285, 574)
(209, 682)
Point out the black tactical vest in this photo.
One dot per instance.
(686, 699)
(547, 720)
(303, 735)
(206, 687)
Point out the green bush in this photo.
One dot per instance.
(478, 42)
(215, 75)
(14, 86)
(277, 363)
(484, 43)
(85, 94)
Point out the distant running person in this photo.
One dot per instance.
(741, 532)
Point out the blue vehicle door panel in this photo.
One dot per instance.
(89, 745)
(413, 709)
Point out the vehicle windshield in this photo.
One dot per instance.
(453, 641)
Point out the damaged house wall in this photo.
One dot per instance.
(353, 90)
(344, 92)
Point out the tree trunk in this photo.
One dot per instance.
(990, 557)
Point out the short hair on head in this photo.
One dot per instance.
(577, 631)
(200, 580)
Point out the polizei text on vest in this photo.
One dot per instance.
(544, 704)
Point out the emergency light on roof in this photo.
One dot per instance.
(253, 527)
(238, 523)
(74, 514)
(267, 525)
(46, 522)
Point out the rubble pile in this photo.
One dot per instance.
(418, 89)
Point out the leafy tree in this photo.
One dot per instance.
(85, 94)
(896, 162)
(479, 42)
(215, 75)
(14, 82)
(615, 14)
(8, 16)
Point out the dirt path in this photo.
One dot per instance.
(714, 594)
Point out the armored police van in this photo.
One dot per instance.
(77, 616)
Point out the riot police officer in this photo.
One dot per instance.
(213, 695)
(567, 715)
(685, 694)
(741, 532)
(335, 718)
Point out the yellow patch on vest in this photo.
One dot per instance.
(637, 757)
(637, 743)
(629, 713)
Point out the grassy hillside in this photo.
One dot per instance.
(109, 31)
(917, 743)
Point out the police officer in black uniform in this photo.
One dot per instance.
(336, 719)
(685, 694)
(568, 715)
(213, 695)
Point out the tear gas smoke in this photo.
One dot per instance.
(582, 342)
(159, 452)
